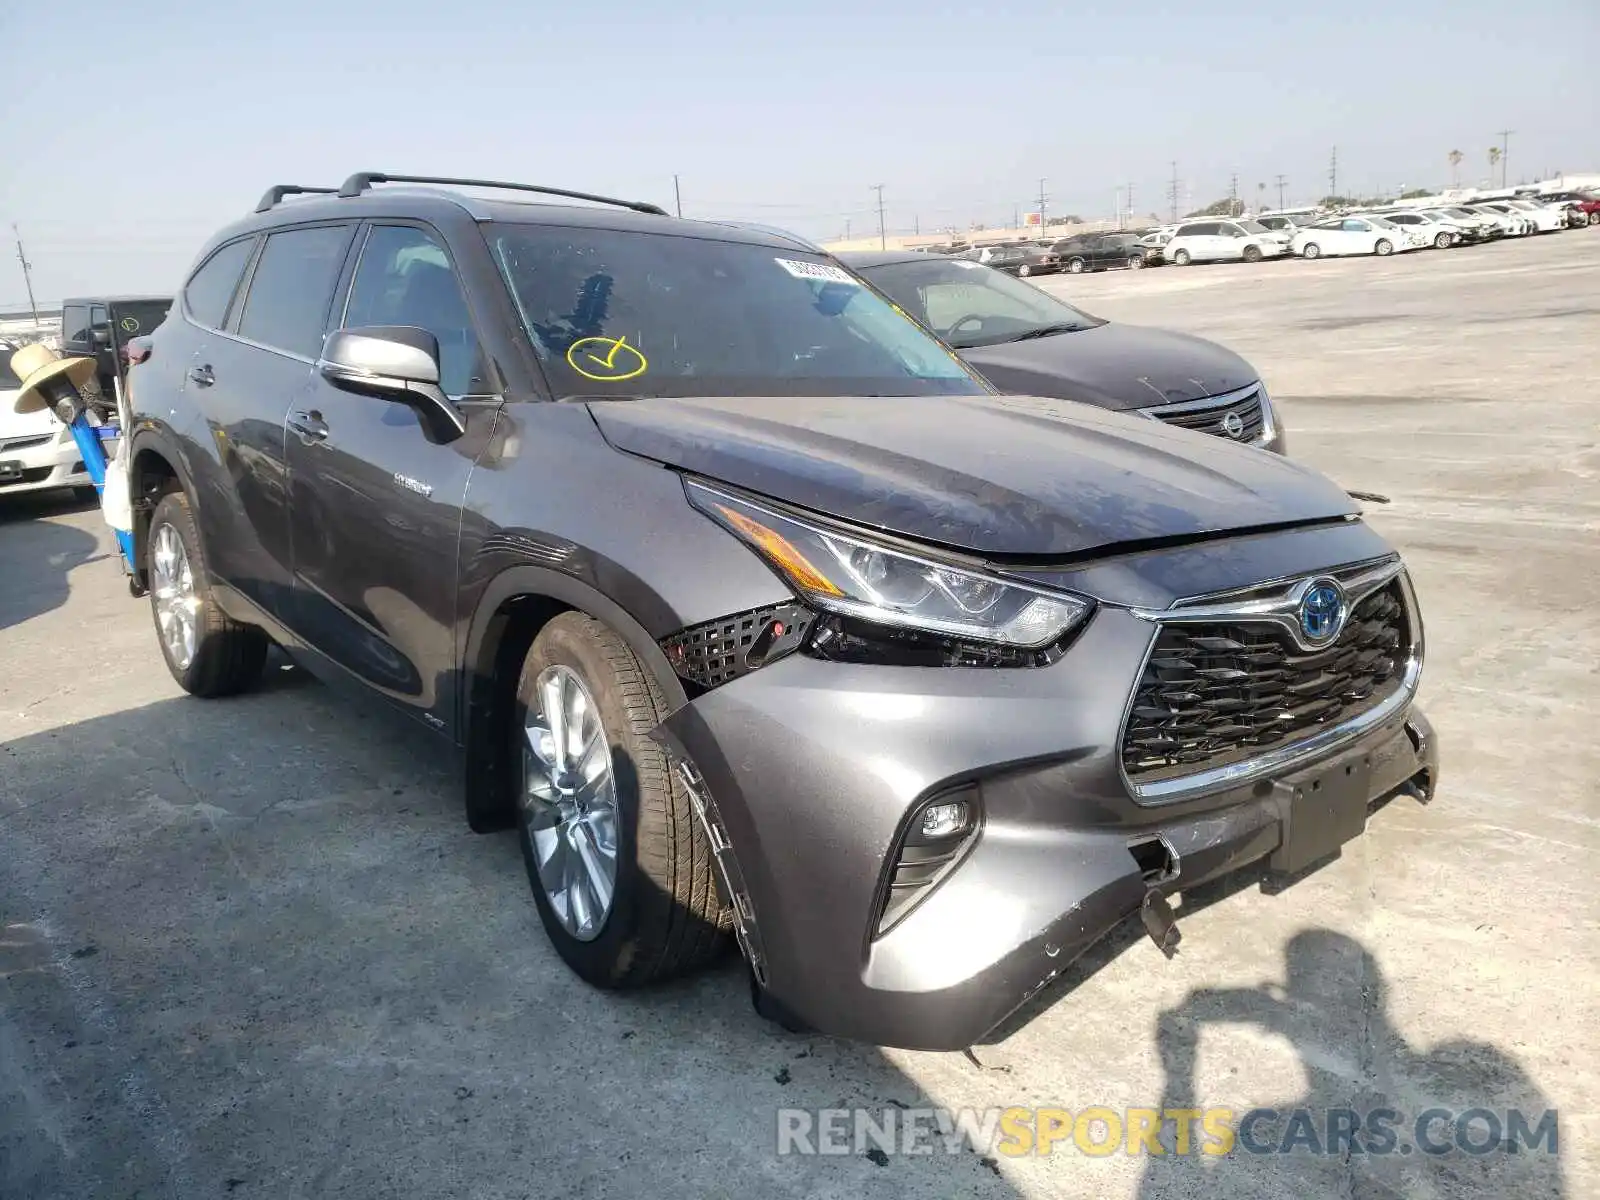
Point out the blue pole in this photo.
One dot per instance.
(94, 462)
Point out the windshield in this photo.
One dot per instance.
(618, 313)
(8, 377)
(134, 318)
(969, 305)
(1252, 226)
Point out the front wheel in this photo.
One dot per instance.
(1442, 241)
(620, 869)
(208, 652)
(1024, 270)
(1252, 254)
(1310, 250)
(1136, 262)
(1384, 246)
(1593, 218)
(1181, 258)
(1076, 266)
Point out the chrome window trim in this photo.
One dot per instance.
(1359, 581)
(1269, 430)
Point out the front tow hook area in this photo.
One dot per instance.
(1160, 923)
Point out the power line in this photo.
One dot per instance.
(883, 236)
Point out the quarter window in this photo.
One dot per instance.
(287, 305)
(212, 286)
(405, 278)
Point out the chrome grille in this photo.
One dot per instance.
(1216, 694)
(1237, 416)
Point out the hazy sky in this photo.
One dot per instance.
(134, 130)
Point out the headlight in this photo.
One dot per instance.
(855, 578)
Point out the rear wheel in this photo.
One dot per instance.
(1310, 250)
(1384, 246)
(1136, 262)
(1594, 218)
(1181, 258)
(621, 871)
(1252, 254)
(207, 651)
(1076, 265)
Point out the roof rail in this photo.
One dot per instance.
(775, 231)
(275, 194)
(361, 181)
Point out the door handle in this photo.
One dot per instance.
(202, 375)
(309, 426)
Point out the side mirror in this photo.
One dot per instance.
(100, 336)
(393, 362)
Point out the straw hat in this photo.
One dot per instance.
(36, 365)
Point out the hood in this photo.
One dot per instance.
(1114, 366)
(991, 475)
(29, 424)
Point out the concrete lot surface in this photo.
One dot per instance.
(250, 948)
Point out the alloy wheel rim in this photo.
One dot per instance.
(177, 607)
(570, 801)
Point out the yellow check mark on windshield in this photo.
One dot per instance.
(611, 358)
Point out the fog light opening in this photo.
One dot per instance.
(1158, 862)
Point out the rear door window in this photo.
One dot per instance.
(210, 288)
(292, 286)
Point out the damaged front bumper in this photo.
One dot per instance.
(810, 773)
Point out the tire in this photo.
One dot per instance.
(1075, 266)
(1181, 258)
(1383, 247)
(1593, 219)
(1442, 241)
(665, 915)
(1310, 250)
(208, 652)
(1136, 263)
(1024, 271)
(1252, 254)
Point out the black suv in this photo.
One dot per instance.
(749, 605)
(100, 327)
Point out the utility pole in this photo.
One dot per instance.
(1016, 216)
(677, 196)
(1505, 152)
(1281, 182)
(1130, 204)
(1233, 194)
(27, 277)
(1172, 191)
(916, 225)
(883, 236)
(1042, 199)
(1333, 173)
(847, 229)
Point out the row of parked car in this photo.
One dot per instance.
(1303, 233)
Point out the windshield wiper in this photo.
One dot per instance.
(1047, 331)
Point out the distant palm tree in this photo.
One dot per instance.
(1494, 157)
(1455, 167)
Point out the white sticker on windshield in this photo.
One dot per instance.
(816, 270)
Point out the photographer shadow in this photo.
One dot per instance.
(1332, 1009)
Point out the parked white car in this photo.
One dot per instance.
(1220, 240)
(1430, 230)
(1350, 235)
(1291, 222)
(1511, 222)
(1475, 226)
(36, 450)
(1546, 218)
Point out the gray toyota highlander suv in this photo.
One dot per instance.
(754, 610)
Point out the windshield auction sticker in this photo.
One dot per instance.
(815, 270)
